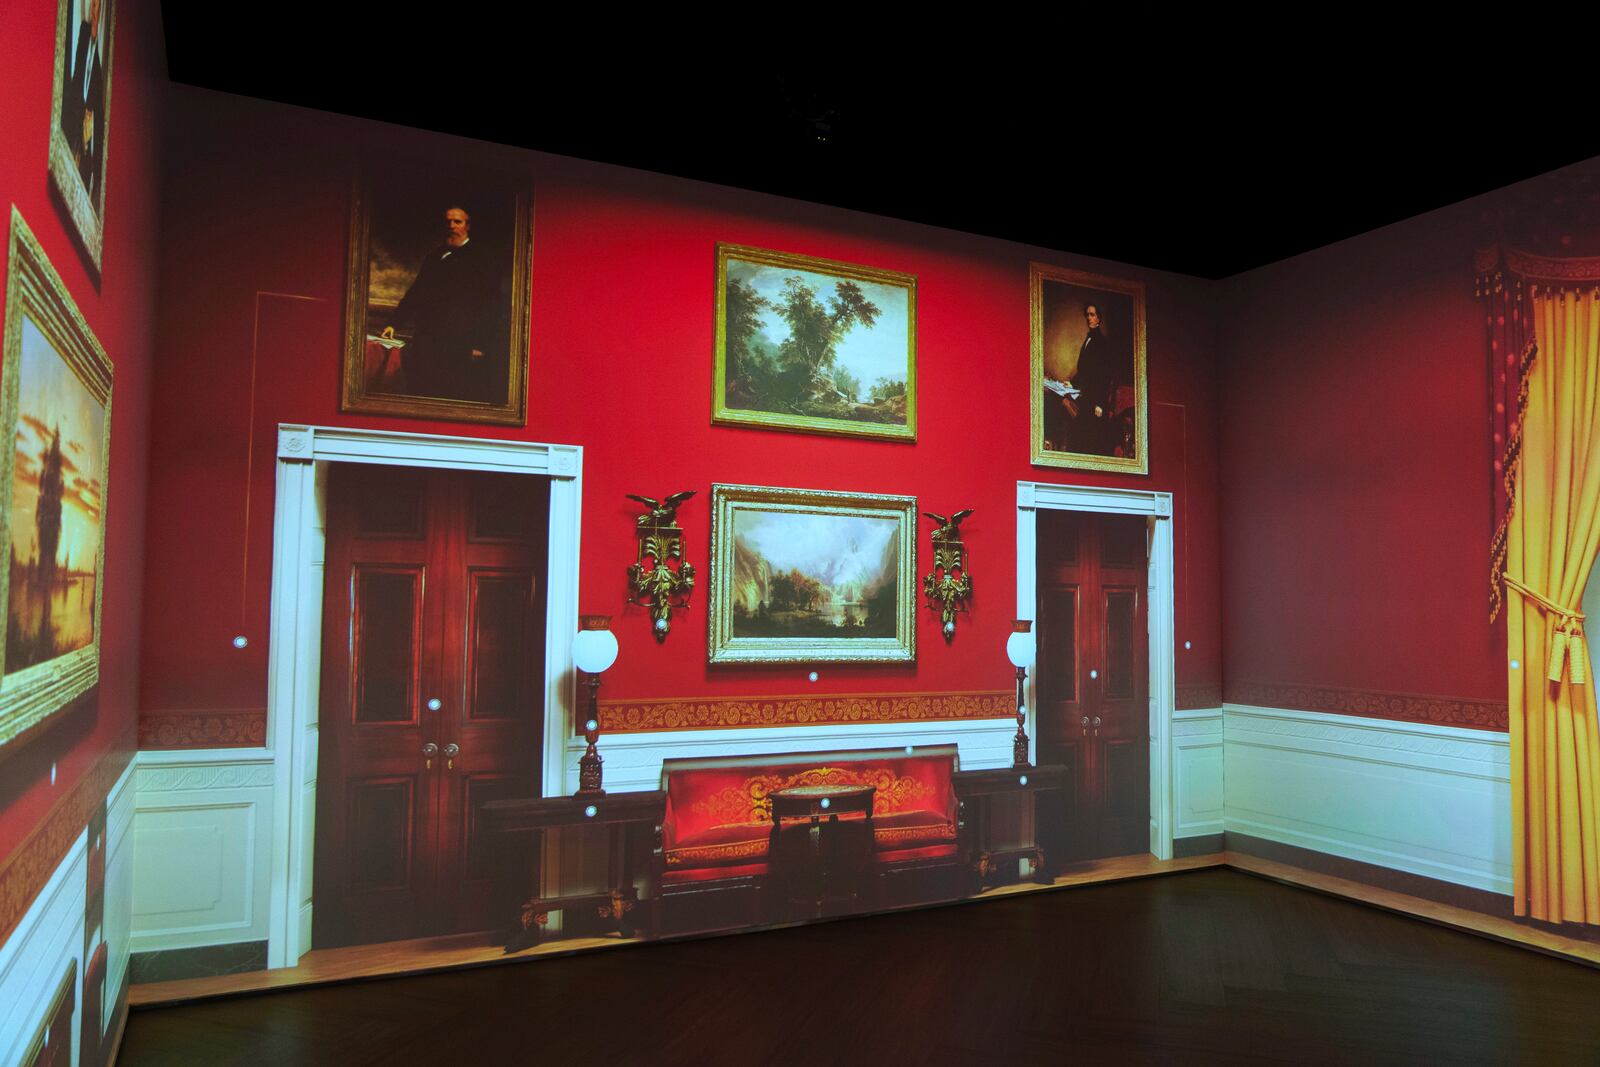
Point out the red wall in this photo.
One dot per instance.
(1355, 478)
(620, 364)
(121, 312)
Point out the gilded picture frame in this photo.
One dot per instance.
(811, 576)
(847, 378)
(1089, 392)
(80, 117)
(421, 340)
(55, 408)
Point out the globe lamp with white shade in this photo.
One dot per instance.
(594, 650)
(1020, 651)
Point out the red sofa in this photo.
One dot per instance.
(712, 862)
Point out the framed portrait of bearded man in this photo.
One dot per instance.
(1089, 395)
(436, 308)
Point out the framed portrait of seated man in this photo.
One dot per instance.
(1089, 396)
(436, 311)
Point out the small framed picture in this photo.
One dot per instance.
(436, 311)
(1090, 408)
(807, 576)
(56, 411)
(80, 112)
(814, 346)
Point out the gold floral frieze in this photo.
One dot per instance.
(721, 713)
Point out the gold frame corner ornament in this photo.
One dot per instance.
(723, 647)
(30, 697)
(1038, 455)
(723, 415)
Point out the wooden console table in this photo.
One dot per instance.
(621, 813)
(977, 788)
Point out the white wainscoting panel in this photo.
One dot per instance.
(119, 886)
(202, 836)
(632, 762)
(50, 937)
(1197, 770)
(1431, 800)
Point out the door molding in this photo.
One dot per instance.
(1157, 509)
(294, 657)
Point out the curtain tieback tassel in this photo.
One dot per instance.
(1566, 644)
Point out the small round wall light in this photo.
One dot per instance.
(1023, 780)
(590, 812)
(812, 676)
(241, 641)
(1187, 645)
(826, 803)
(1516, 665)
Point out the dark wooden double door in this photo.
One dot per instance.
(1093, 678)
(432, 694)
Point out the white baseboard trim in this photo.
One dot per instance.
(632, 762)
(202, 833)
(1430, 800)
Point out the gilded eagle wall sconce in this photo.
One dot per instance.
(652, 578)
(948, 586)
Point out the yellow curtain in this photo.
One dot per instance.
(1554, 538)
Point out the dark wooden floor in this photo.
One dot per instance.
(1214, 966)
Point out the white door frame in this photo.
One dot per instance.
(299, 547)
(1157, 509)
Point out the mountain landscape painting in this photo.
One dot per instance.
(803, 574)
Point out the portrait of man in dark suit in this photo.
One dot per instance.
(438, 302)
(83, 96)
(1088, 371)
(81, 113)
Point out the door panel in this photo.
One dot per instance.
(387, 652)
(433, 637)
(1093, 644)
(500, 627)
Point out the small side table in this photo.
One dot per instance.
(821, 862)
(978, 787)
(621, 813)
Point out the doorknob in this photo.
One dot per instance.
(451, 751)
(1097, 726)
(1084, 721)
(430, 750)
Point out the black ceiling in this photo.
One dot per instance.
(1203, 166)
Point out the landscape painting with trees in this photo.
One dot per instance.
(809, 344)
(807, 575)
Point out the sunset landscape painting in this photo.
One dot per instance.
(56, 510)
(55, 403)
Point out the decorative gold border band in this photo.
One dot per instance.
(203, 729)
(721, 713)
(26, 870)
(1401, 707)
(1195, 695)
